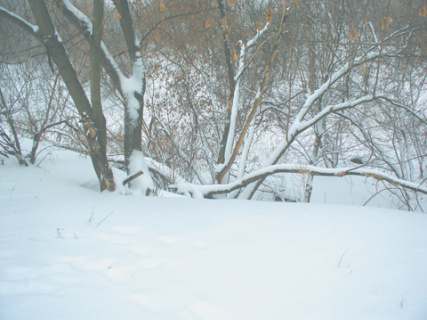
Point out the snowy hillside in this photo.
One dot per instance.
(70, 252)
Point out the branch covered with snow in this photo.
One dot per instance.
(83, 23)
(23, 24)
(209, 190)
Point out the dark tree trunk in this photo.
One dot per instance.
(93, 127)
(135, 101)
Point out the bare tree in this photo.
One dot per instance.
(330, 68)
(132, 88)
(238, 92)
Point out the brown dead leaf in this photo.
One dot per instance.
(208, 24)
(353, 35)
(385, 22)
(88, 5)
(92, 132)
(235, 56)
(269, 15)
(224, 23)
(162, 6)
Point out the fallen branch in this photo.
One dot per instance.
(209, 190)
(132, 177)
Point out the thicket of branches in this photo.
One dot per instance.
(224, 98)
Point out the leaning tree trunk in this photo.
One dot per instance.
(94, 127)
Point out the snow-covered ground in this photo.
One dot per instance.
(70, 252)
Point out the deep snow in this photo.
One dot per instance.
(70, 252)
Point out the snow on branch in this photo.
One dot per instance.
(209, 191)
(83, 23)
(84, 20)
(259, 33)
(25, 25)
(335, 108)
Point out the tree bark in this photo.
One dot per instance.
(57, 52)
(95, 83)
(134, 104)
(232, 83)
